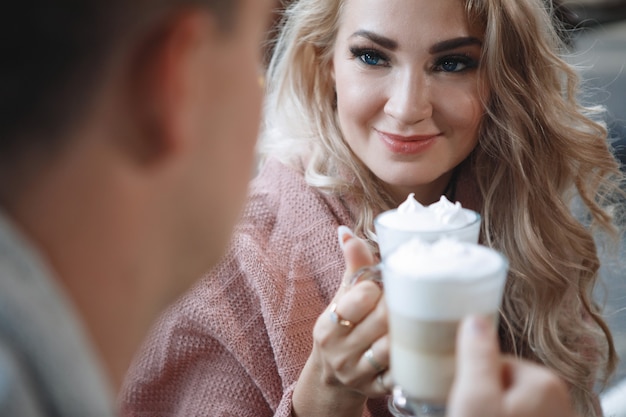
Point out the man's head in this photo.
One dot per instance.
(127, 131)
(60, 58)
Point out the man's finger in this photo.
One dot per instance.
(536, 391)
(477, 386)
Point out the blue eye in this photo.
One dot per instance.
(452, 66)
(370, 57)
(455, 64)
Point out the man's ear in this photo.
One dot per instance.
(164, 84)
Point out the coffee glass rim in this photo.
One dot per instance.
(469, 225)
(504, 264)
(374, 272)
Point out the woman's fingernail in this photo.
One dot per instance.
(344, 234)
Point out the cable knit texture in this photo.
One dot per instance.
(237, 342)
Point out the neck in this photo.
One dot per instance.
(89, 229)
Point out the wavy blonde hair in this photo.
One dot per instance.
(538, 150)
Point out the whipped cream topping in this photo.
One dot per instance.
(443, 280)
(448, 212)
(442, 215)
(445, 258)
(411, 205)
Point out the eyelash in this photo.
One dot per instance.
(466, 60)
(365, 54)
(361, 53)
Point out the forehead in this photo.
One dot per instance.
(407, 20)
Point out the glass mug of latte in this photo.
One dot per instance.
(429, 288)
(429, 223)
(423, 341)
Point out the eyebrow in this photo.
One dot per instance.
(450, 44)
(437, 48)
(383, 41)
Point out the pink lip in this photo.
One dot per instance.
(407, 144)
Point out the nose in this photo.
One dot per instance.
(409, 99)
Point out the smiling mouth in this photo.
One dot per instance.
(407, 145)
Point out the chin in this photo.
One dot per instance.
(410, 183)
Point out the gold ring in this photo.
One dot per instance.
(369, 355)
(336, 318)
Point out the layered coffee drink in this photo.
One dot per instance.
(429, 289)
(412, 219)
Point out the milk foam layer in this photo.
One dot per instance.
(446, 258)
(442, 215)
(444, 280)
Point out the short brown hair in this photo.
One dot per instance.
(52, 53)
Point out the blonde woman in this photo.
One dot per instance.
(368, 101)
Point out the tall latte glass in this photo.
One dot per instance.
(429, 223)
(429, 288)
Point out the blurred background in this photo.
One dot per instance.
(599, 49)
(598, 42)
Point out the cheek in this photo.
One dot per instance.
(463, 110)
(240, 103)
(236, 126)
(357, 102)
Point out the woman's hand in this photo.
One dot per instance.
(350, 353)
(488, 384)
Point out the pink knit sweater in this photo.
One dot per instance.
(236, 343)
